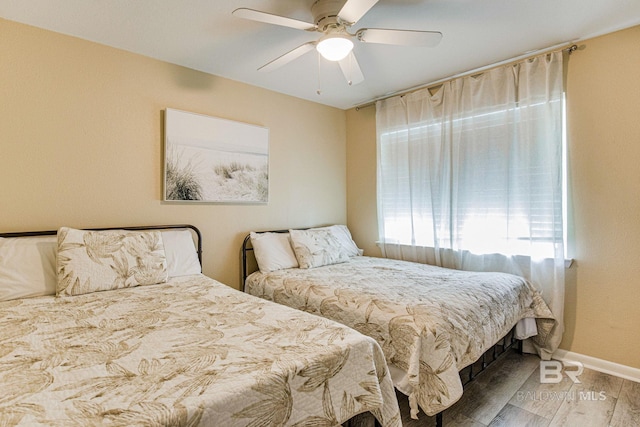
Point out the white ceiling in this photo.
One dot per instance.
(203, 35)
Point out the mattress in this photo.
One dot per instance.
(189, 352)
(431, 322)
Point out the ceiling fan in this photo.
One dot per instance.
(335, 44)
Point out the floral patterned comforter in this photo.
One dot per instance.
(189, 352)
(430, 321)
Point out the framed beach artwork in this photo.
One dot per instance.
(208, 159)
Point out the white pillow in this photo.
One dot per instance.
(343, 234)
(181, 253)
(317, 247)
(27, 267)
(91, 261)
(273, 251)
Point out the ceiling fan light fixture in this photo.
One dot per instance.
(334, 47)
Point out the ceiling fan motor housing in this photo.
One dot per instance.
(325, 15)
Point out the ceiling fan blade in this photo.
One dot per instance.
(288, 57)
(399, 37)
(351, 69)
(353, 10)
(269, 18)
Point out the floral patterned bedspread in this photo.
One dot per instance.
(189, 352)
(430, 321)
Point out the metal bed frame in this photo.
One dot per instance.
(467, 374)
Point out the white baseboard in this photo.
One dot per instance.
(600, 365)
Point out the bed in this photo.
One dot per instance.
(431, 322)
(119, 327)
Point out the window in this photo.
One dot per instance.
(484, 176)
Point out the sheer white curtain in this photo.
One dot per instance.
(470, 176)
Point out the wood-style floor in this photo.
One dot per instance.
(509, 393)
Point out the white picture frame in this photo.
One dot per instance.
(213, 160)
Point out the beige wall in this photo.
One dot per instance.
(603, 110)
(362, 217)
(81, 144)
(602, 310)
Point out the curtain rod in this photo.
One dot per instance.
(570, 48)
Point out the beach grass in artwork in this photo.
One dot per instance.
(181, 182)
(214, 160)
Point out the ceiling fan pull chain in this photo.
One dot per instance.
(318, 91)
